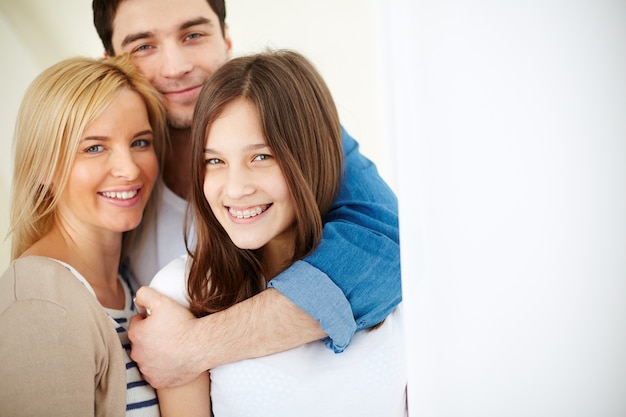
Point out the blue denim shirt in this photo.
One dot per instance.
(351, 281)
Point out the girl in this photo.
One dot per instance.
(267, 166)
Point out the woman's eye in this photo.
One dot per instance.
(94, 149)
(142, 143)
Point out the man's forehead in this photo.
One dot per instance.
(159, 17)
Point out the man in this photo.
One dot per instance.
(177, 45)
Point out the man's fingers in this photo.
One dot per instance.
(146, 300)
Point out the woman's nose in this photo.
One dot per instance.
(125, 166)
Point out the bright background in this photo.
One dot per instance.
(34, 34)
(502, 126)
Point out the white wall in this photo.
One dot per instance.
(340, 37)
(511, 125)
(337, 35)
(507, 120)
(14, 78)
(34, 34)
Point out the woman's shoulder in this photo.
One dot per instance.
(42, 278)
(46, 291)
(44, 307)
(37, 280)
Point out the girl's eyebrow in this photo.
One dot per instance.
(254, 147)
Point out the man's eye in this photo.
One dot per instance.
(193, 36)
(142, 48)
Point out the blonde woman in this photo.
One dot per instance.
(87, 145)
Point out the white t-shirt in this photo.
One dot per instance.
(163, 240)
(367, 379)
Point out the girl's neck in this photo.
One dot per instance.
(276, 257)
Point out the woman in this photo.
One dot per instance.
(267, 166)
(88, 140)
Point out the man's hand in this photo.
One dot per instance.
(172, 347)
(162, 341)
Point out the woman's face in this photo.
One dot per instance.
(114, 170)
(243, 182)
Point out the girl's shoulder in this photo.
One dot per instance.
(171, 280)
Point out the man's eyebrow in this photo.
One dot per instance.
(196, 22)
(185, 25)
(135, 36)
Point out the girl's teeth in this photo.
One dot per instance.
(246, 213)
(124, 195)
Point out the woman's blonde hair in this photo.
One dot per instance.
(57, 107)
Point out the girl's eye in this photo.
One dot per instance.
(94, 149)
(212, 161)
(262, 157)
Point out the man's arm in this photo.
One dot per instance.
(359, 253)
(172, 347)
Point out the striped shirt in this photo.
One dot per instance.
(141, 399)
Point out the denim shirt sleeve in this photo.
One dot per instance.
(316, 294)
(352, 280)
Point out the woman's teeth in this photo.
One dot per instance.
(124, 195)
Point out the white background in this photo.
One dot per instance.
(338, 36)
(502, 126)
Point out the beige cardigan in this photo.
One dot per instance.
(59, 352)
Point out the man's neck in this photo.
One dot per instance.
(177, 167)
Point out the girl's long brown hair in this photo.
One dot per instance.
(301, 125)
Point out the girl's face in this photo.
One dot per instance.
(244, 184)
(114, 170)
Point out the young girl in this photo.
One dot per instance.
(267, 166)
(88, 140)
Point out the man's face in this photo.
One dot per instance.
(176, 44)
